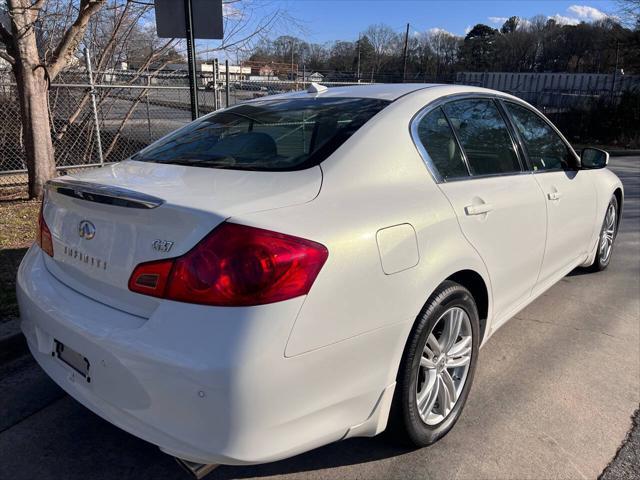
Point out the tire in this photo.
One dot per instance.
(412, 421)
(607, 237)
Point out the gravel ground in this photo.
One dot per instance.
(626, 464)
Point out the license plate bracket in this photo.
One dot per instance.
(73, 359)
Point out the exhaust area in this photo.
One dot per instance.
(196, 470)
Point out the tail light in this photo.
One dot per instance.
(43, 236)
(235, 265)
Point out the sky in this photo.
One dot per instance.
(325, 21)
(329, 20)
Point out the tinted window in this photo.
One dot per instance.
(438, 140)
(269, 135)
(545, 148)
(484, 136)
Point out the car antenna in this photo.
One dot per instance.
(316, 88)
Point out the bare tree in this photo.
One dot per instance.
(444, 47)
(383, 40)
(629, 12)
(115, 34)
(33, 74)
(41, 39)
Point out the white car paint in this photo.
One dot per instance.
(241, 385)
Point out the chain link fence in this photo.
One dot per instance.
(131, 111)
(103, 117)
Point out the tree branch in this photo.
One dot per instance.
(71, 38)
(7, 57)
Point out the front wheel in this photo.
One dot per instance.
(608, 234)
(437, 367)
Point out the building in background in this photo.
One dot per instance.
(237, 73)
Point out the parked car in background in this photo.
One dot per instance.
(250, 86)
(308, 267)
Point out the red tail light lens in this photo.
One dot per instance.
(151, 278)
(235, 265)
(43, 236)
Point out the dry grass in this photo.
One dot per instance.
(18, 220)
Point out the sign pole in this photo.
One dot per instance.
(191, 57)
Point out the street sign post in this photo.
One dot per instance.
(190, 19)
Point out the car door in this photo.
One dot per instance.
(500, 208)
(569, 193)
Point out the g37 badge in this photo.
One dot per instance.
(162, 245)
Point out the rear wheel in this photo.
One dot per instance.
(608, 234)
(437, 368)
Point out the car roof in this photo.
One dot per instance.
(382, 91)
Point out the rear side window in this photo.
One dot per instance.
(484, 136)
(438, 140)
(269, 135)
(545, 149)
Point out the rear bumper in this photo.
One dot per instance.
(210, 385)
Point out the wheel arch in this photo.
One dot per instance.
(477, 285)
(620, 198)
(473, 281)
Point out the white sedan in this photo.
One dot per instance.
(309, 267)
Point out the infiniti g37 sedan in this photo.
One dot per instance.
(308, 267)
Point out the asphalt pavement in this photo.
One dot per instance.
(553, 397)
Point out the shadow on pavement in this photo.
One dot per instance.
(349, 452)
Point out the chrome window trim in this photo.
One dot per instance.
(84, 190)
(497, 97)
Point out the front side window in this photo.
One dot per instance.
(484, 136)
(545, 149)
(269, 135)
(435, 135)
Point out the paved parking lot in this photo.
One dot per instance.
(553, 396)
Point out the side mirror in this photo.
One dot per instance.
(592, 158)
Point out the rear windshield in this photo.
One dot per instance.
(269, 135)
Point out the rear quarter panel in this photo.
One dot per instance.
(375, 180)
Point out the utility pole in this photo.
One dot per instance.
(359, 40)
(291, 60)
(404, 54)
(191, 58)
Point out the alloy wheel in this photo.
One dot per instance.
(444, 365)
(608, 234)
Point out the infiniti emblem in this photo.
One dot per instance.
(86, 229)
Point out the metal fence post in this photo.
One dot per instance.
(226, 83)
(216, 76)
(148, 112)
(94, 106)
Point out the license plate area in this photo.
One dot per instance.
(73, 359)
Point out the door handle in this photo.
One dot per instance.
(478, 209)
(554, 195)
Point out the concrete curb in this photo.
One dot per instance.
(12, 341)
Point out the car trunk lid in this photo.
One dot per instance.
(107, 221)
